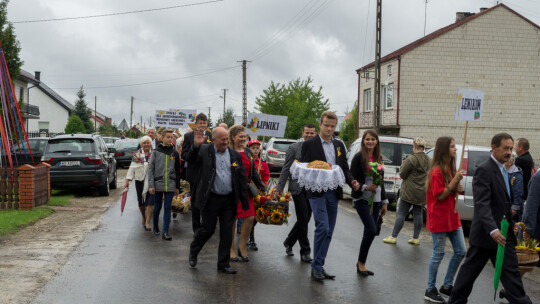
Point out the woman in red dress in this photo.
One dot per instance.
(237, 141)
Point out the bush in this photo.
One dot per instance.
(75, 125)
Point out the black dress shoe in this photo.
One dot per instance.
(327, 275)
(156, 231)
(288, 250)
(166, 236)
(306, 258)
(192, 260)
(227, 270)
(317, 275)
(235, 259)
(243, 258)
(363, 273)
(147, 229)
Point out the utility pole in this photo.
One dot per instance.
(244, 94)
(141, 122)
(95, 113)
(425, 18)
(377, 97)
(209, 114)
(131, 115)
(224, 100)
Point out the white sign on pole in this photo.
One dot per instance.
(469, 105)
(175, 118)
(266, 125)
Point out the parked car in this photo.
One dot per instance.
(274, 153)
(473, 157)
(21, 155)
(109, 141)
(124, 151)
(79, 161)
(394, 150)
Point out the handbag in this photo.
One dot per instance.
(252, 190)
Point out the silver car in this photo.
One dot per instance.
(274, 153)
(473, 157)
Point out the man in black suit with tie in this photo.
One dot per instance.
(201, 121)
(492, 200)
(325, 204)
(220, 185)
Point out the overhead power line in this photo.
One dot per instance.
(118, 14)
(150, 82)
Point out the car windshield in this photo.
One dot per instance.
(71, 145)
(123, 145)
(282, 145)
(109, 140)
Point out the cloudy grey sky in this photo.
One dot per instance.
(183, 57)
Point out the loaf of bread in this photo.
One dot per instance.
(318, 164)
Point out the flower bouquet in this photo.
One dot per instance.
(272, 212)
(527, 253)
(181, 203)
(375, 170)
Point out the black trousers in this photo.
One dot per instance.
(195, 212)
(473, 265)
(225, 207)
(299, 232)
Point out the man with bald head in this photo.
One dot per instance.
(223, 125)
(221, 183)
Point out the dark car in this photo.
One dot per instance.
(124, 151)
(79, 161)
(20, 154)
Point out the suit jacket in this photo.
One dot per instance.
(491, 204)
(191, 169)
(204, 158)
(312, 150)
(293, 153)
(526, 163)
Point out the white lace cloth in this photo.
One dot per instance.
(317, 179)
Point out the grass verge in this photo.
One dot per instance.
(14, 220)
(60, 198)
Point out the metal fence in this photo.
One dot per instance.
(34, 134)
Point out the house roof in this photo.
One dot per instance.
(25, 76)
(440, 32)
(98, 119)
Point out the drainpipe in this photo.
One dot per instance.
(398, 88)
(358, 107)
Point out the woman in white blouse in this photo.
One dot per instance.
(138, 170)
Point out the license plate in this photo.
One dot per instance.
(70, 163)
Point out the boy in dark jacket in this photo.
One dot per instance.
(164, 180)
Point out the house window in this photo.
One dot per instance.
(367, 100)
(21, 94)
(43, 126)
(387, 97)
(389, 70)
(367, 76)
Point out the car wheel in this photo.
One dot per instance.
(112, 185)
(104, 190)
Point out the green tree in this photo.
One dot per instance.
(74, 125)
(82, 110)
(298, 100)
(107, 129)
(227, 117)
(347, 129)
(10, 44)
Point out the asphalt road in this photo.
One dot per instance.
(122, 263)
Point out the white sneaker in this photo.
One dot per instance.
(390, 240)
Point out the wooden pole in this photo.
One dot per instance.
(260, 157)
(461, 161)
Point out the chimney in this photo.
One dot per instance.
(37, 75)
(483, 9)
(460, 16)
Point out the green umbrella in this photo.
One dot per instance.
(500, 256)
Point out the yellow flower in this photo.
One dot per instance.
(260, 213)
(338, 152)
(172, 157)
(276, 216)
(234, 164)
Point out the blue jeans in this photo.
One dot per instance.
(370, 225)
(325, 210)
(166, 199)
(439, 242)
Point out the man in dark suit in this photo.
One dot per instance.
(192, 170)
(325, 204)
(492, 200)
(220, 185)
(525, 162)
(152, 134)
(299, 232)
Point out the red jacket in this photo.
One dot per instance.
(440, 214)
(265, 172)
